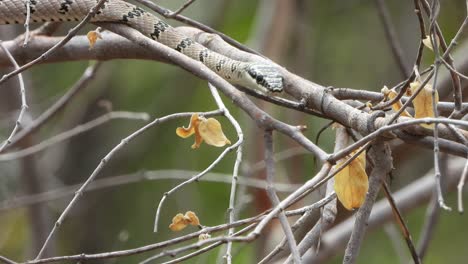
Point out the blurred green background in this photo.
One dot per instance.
(337, 43)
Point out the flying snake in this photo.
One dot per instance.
(262, 76)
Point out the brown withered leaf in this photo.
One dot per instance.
(208, 130)
(212, 132)
(192, 218)
(180, 221)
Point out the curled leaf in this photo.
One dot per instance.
(208, 130)
(423, 103)
(191, 218)
(391, 94)
(351, 183)
(211, 131)
(190, 130)
(178, 223)
(181, 221)
(93, 36)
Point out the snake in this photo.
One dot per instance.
(253, 75)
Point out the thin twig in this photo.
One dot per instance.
(417, 63)
(413, 95)
(261, 118)
(290, 199)
(270, 175)
(164, 12)
(181, 9)
(295, 227)
(408, 198)
(312, 238)
(72, 133)
(460, 185)
(437, 172)
(392, 37)
(393, 234)
(192, 179)
(235, 174)
(156, 175)
(364, 140)
(401, 223)
(205, 230)
(454, 41)
(137, 177)
(205, 249)
(101, 165)
(62, 42)
(452, 69)
(59, 105)
(7, 261)
(24, 105)
(429, 226)
(381, 157)
(432, 11)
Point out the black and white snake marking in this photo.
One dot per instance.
(251, 75)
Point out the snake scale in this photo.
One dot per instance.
(251, 75)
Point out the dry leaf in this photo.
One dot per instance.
(211, 131)
(190, 130)
(93, 36)
(391, 94)
(208, 130)
(178, 223)
(191, 218)
(351, 183)
(181, 221)
(423, 102)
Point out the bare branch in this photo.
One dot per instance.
(392, 37)
(102, 164)
(24, 105)
(70, 34)
(270, 168)
(87, 76)
(382, 159)
(460, 185)
(72, 133)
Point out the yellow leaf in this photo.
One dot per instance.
(187, 132)
(351, 183)
(391, 94)
(191, 218)
(181, 221)
(93, 36)
(423, 102)
(208, 130)
(178, 223)
(211, 131)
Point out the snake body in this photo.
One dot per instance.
(252, 75)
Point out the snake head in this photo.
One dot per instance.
(265, 77)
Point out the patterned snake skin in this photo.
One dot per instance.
(252, 75)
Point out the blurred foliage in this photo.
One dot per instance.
(347, 49)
